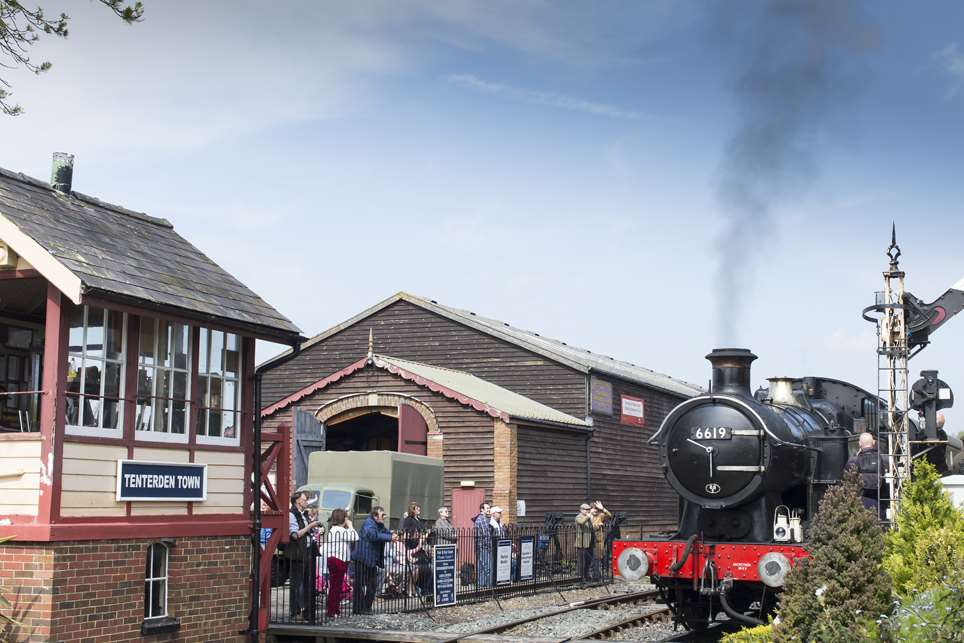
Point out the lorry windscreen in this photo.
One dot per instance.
(335, 498)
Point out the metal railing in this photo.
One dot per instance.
(323, 585)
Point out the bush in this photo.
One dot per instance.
(758, 634)
(933, 615)
(928, 541)
(838, 593)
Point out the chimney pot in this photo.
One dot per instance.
(62, 172)
(731, 370)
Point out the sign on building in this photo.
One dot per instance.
(600, 396)
(633, 411)
(444, 575)
(161, 481)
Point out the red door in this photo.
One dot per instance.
(412, 431)
(465, 507)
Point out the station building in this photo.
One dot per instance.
(526, 422)
(126, 408)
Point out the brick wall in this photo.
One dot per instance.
(95, 590)
(26, 573)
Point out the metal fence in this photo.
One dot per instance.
(330, 582)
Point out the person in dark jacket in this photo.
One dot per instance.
(483, 546)
(299, 528)
(368, 559)
(872, 468)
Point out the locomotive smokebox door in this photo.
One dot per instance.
(928, 395)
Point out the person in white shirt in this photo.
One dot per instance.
(337, 554)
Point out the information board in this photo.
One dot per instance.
(444, 569)
(161, 481)
(600, 396)
(527, 547)
(633, 410)
(503, 562)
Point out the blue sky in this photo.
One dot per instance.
(555, 165)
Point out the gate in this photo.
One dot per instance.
(309, 437)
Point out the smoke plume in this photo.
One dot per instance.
(797, 74)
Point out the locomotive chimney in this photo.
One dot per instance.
(731, 370)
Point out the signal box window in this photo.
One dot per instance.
(163, 380)
(97, 342)
(155, 582)
(219, 376)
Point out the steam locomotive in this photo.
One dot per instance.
(750, 470)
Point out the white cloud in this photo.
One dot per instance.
(951, 62)
(548, 99)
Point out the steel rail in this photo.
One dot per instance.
(590, 604)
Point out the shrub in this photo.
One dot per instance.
(758, 634)
(933, 615)
(928, 541)
(838, 593)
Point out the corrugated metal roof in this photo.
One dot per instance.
(577, 358)
(114, 251)
(494, 397)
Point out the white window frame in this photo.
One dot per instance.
(204, 381)
(150, 579)
(165, 436)
(100, 431)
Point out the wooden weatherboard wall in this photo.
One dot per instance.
(406, 331)
(625, 470)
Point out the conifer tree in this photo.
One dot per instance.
(927, 545)
(835, 594)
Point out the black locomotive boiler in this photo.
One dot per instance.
(750, 470)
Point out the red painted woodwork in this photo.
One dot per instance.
(29, 273)
(276, 452)
(412, 431)
(465, 507)
(735, 560)
(122, 527)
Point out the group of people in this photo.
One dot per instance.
(591, 539)
(397, 563)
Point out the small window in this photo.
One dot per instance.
(97, 344)
(163, 380)
(155, 582)
(219, 376)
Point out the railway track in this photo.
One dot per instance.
(602, 632)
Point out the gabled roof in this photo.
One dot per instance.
(579, 359)
(464, 388)
(87, 247)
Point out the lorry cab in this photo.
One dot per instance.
(358, 502)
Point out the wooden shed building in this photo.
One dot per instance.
(126, 417)
(524, 421)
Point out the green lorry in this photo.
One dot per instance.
(359, 480)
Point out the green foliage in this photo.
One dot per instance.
(936, 614)
(838, 593)
(758, 634)
(20, 28)
(928, 542)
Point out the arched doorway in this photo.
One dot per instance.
(372, 430)
(378, 421)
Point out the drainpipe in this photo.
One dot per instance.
(253, 624)
(589, 437)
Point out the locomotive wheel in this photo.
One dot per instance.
(694, 610)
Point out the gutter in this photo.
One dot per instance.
(255, 607)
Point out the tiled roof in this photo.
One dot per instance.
(105, 250)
